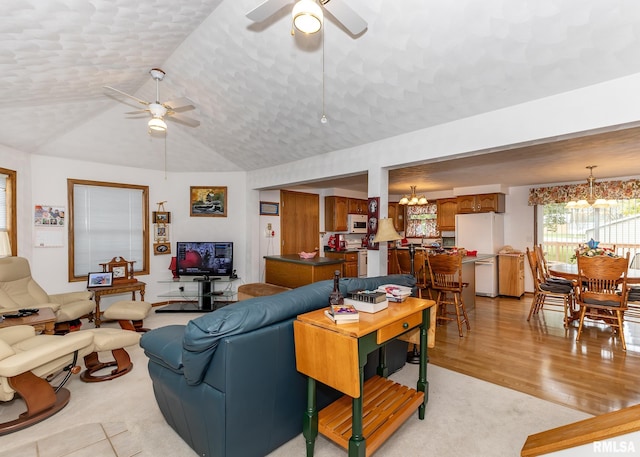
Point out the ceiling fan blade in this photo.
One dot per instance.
(266, 9)
(126, 95)
(140, 111)
(179, 105)
(347, 17)
(183, 120)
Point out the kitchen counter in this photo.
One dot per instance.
(292, 271)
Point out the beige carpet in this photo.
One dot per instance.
(465, 416)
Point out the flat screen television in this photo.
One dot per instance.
(204, 258)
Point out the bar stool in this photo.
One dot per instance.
(446, 280)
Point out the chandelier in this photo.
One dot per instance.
(591, 201)
(413, 199)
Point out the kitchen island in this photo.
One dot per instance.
(292, 271)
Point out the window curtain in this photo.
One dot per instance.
(107, 222)
(610, 190)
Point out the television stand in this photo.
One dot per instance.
(203, 300)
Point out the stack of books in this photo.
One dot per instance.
(395, 293)
(342, 314)
(368, 301)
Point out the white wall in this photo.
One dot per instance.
(48, 185)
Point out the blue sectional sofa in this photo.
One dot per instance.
(227, 381)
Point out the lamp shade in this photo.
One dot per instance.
(386, 231)
(157, 124)
(173, 266)
(5, 244)
(307, 16)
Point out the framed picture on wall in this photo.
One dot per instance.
(161, 217)
(208, 201)
(269, 208)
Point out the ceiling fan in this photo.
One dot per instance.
(158, 110)
(307, 14)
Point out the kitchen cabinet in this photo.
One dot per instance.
(356, 206)
(335, 214)
(481, 203)
(396, 214)
(511, 275)
(350, 265)
(447, 209)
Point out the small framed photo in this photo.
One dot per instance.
(208, 201)
(161, 248)
(101, 279)
(160, 232)
(161, 217)
(269, 208)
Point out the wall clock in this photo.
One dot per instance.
(121, 268)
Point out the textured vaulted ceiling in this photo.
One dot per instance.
(258, 90)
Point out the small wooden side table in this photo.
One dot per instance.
(43, 321)
(115, 289)
(335, 354)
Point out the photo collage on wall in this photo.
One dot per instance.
(373, 212)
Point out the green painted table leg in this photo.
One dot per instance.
(383, 369)
(423, 384)
(310, 420)
(357, 443)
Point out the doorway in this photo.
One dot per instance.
(299, 222)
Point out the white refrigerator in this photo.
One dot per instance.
(482, 232)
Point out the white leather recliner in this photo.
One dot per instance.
(26, 359)
(19, 290)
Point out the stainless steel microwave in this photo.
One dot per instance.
(357, 223)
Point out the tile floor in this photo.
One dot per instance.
(88, 440)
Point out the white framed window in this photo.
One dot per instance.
(107, 220)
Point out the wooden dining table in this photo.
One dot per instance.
(570, 271)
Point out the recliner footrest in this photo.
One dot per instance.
(114, 340)
(129, 314)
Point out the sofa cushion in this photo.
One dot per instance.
(203, 334)
(164, 346)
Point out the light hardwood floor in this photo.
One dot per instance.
(543, 359)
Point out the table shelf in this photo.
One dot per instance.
(387, 405)
(202, 298)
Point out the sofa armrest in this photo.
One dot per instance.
(164, 346)
(70, 297)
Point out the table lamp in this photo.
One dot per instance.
(173, 266)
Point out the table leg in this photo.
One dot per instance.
(423, 384)
(357, 442)
(96, 319)
(50, 328)
(310, 420)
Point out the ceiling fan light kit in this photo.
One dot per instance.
(157, 125)
(307, 16)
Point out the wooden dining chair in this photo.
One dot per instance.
(553, 293)
(603, 291)
(403, 260)
(446, 280)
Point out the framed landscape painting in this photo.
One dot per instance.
(208, 201)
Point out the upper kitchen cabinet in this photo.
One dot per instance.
(482, 203)
(335, 214)
(447, 209)
(396, 214)
(356, 206)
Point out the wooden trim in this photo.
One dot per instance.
(12, 197)
(586, 431)
(145, 223)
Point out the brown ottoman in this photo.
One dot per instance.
(258, 289)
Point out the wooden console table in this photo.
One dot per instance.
(115, 289)
(340, 364)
